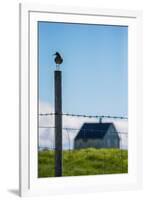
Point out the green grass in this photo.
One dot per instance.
(85, 162)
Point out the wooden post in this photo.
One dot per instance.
(58, 123)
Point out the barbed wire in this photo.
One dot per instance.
(84, 129)
(85, 116)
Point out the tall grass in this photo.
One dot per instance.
(88, 161)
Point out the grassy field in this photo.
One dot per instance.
(85, 162)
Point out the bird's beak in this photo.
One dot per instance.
(54, 54)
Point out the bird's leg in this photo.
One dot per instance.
(57, 66)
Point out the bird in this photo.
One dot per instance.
(58, 59)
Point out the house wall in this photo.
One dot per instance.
(86, 143)
(111, 139)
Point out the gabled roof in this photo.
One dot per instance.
(93, 130)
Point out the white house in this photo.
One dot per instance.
(97, 135)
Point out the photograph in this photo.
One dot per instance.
(82, 105)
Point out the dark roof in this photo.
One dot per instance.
(93, 130)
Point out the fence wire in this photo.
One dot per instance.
(83, 115)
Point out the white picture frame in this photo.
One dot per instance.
(29, 184)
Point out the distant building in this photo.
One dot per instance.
(97, 135)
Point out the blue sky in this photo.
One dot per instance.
(94, 69)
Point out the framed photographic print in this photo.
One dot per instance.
(80, 100)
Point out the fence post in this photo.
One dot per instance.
(58, 123)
